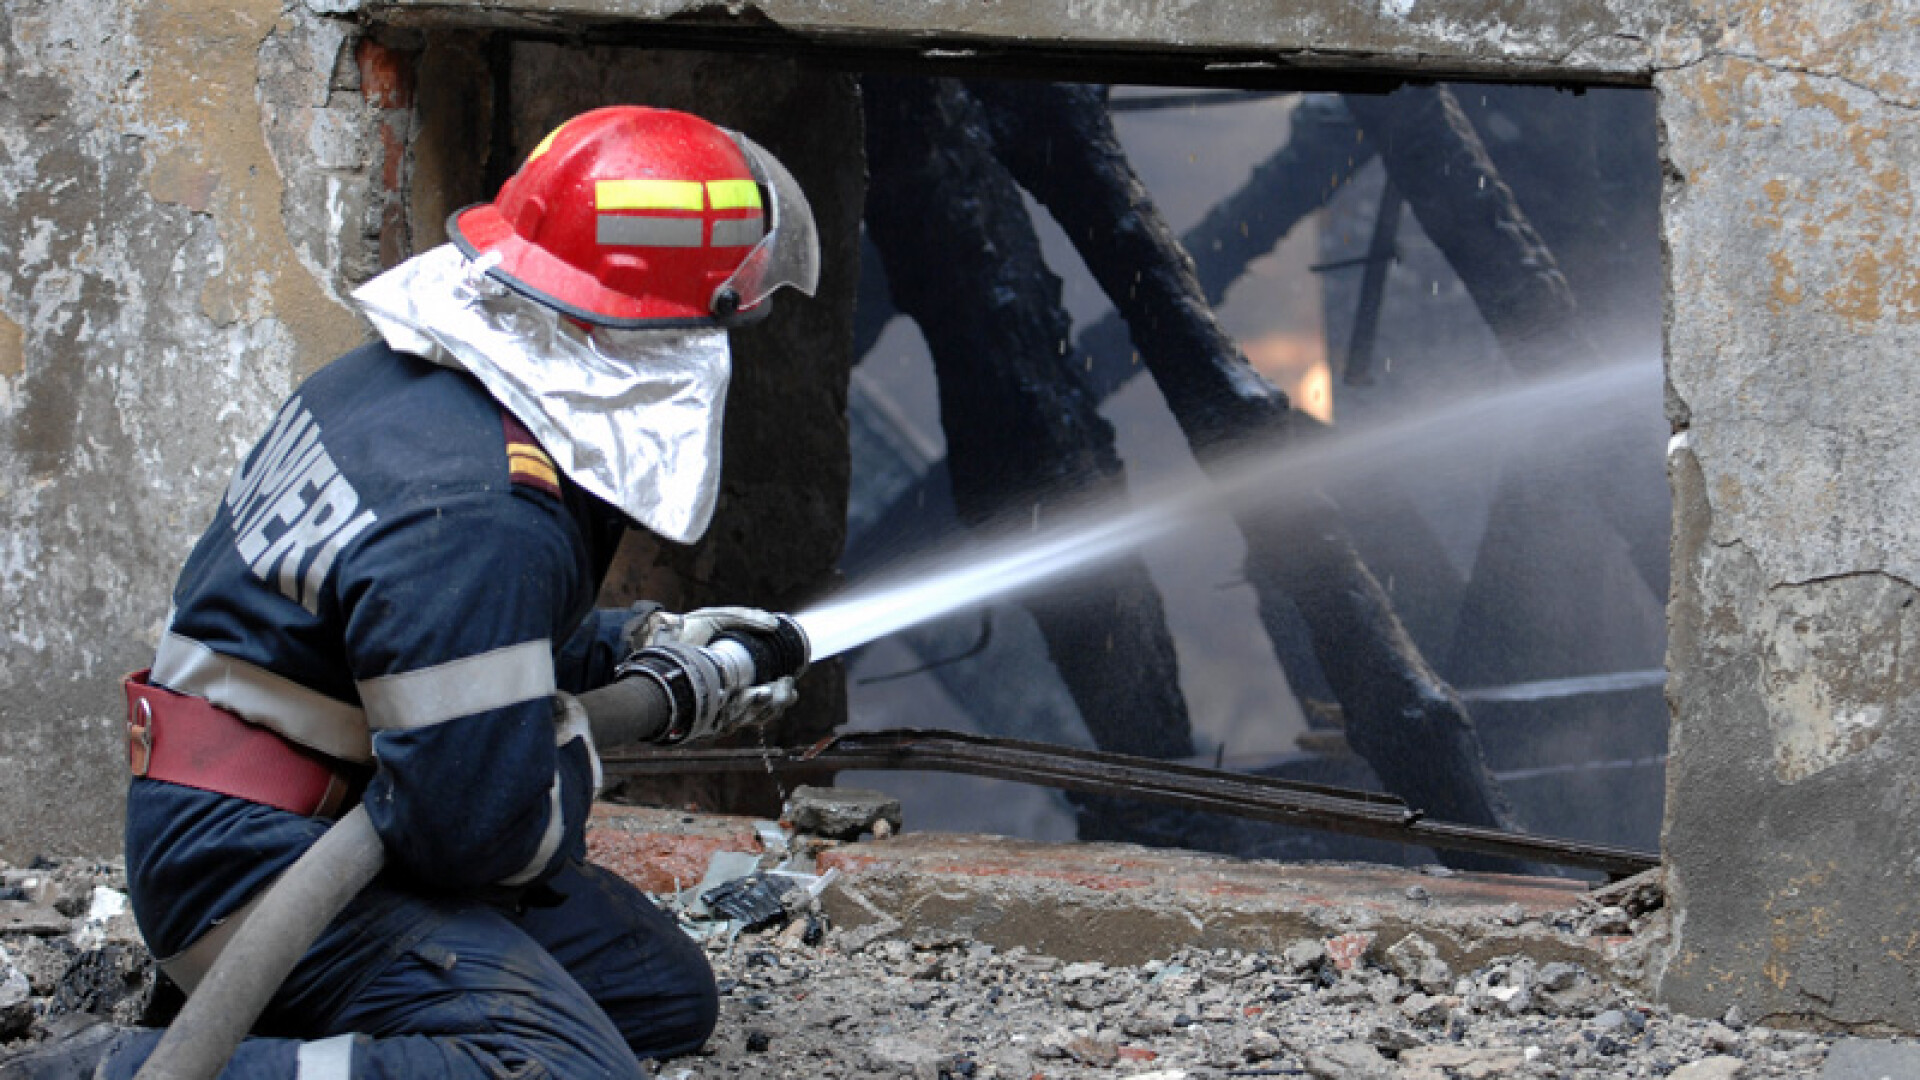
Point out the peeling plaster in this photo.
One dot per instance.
(137, 277)
(1795, 233)
(1840, 662)
(204, 68)
(1794, 314)
(12, 349)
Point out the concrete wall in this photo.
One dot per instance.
(1793, 813)
(153, 311)
(188, 185)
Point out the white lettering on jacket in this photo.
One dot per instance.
(292, 511)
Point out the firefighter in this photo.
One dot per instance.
(395, 601)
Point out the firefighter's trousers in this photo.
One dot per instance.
(584, 978)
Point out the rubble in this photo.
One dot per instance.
(841, 813)
(69, 948)
(801, 997)
(942, 1009)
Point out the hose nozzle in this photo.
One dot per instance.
(668, 693)
(751, 658)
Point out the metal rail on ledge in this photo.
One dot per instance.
(1313, 806)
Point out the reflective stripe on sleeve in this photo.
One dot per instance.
(326, 1059)
(571, 724)
(549, 840)
(472, 684)
(259, 696)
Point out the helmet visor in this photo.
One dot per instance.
(789, 253)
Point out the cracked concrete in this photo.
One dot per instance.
(1791, 226)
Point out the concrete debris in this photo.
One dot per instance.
(1641, 894)
(1347, 1061)
(1871, 1059)
(945, 1008)
(1417, 960)
(69, 949)
(926, 1002)
(840, 813)
(1719, 1067)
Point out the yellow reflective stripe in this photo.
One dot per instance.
(734, 194)
(648, 195)
(535, 464)
(545, 143)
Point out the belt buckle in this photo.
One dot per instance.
(140, 737)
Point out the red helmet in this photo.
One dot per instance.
(632, 218)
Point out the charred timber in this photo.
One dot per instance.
(1314, 806)
(963, 261)
(1320, 156)
(1436, 159)
(1059, 142)
(1409, 725)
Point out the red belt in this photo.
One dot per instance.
(190, 741)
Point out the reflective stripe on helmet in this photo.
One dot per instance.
(627, 230)
(647, 194)
(737, 232)
(613, 228)
(734, 194)
(546, 142)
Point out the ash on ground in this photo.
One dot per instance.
(799, 999)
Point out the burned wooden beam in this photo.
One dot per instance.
(1401, 716)
(1373, 287)
(1435, 158)
(1059, 143)
(963, 260)
(1320, 156)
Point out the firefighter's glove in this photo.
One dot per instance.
(755, 706)
(700, 627)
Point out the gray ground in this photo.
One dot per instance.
(938, 1009)
(944, 1007)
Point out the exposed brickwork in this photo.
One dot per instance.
(1347, 950)
(661, 850)
(386, 75)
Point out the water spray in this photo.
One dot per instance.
(1478, 433)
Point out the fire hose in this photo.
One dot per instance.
(655, 699)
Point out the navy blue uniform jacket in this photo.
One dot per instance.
(381, 583)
